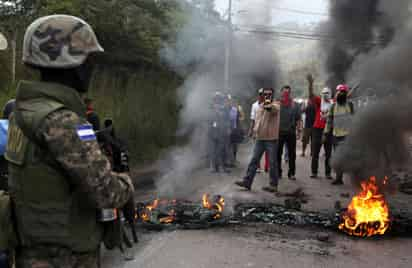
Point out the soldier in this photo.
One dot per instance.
(59, 178)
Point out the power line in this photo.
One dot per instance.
(304, 12)
(309, 36)
(275, 29)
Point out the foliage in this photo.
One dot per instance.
(130, 85)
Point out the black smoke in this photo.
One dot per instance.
(355, 28)
(379, 140)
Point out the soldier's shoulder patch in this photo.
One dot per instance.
(85, 132)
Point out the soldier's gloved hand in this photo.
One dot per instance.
(129, 211)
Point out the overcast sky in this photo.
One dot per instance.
(280, 16)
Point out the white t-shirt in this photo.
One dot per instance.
(324, 108)
(255, 108)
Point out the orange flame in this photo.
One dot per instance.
(146, 214)
(218, 205)
(368, 213)
(206, 202)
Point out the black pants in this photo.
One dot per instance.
(218, 154)
(338, 141)
(288, 139)
(317, 134)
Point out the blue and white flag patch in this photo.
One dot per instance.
(86, 133)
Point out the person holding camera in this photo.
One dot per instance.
(266, 131)
(289, 118)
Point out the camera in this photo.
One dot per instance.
(268, 101)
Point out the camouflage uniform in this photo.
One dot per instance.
(85, 163)
(86, 168)
(56, 258)
(58, 180)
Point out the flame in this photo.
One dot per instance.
(146, 214)
(368, 213)
(169, 219)
(218, 205)
(206, 202)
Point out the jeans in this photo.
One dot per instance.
(270, 147)
(317, 134)
(290, 140)
(4, 260)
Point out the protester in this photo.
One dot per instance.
(322, 106)
(255, 108)
(309, 120)
(236, 131)
(91, 116)
(289, 118)
(338, 122)
(266, 132)
(219, 130)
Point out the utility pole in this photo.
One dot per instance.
(13, 58)
(228, 50)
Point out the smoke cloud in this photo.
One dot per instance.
(379, 139)
(356, 28)
(198, 55)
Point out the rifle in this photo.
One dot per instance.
(117, 219)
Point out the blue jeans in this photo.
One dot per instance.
(4, 260)
(270, 147)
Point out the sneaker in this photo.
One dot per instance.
(314, 176)
(270, 189)
(266, 170)
(243, 185)
(292, 178)
(337, 182)
(259, 170)
(328, 177)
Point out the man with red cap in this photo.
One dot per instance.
(339, 122)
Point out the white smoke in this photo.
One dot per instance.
(198, 55)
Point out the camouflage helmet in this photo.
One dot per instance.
(59, 41)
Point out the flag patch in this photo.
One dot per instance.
(86, 133)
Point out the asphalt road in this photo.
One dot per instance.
(264, 245)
